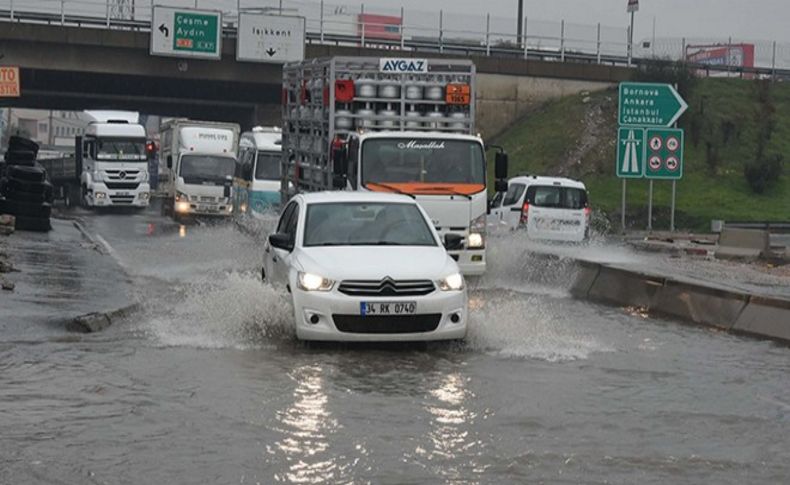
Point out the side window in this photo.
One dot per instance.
(249, 161)
(285, 218)
(290, 227)
(353, 159)
(497, 200)
(514, 194)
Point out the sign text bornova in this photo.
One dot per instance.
(184, 32)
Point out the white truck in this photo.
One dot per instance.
(392, 125)
(110, 161)
(201, 159)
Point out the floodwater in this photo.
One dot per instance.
(207, 385)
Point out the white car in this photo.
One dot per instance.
(366, 266)
(551, 208)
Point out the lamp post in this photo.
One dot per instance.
(520, 22)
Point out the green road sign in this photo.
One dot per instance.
(630, 152)
(664, 153)
(649, 104)
(184, 32)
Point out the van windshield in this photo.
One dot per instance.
(268, 166)
(557, 197)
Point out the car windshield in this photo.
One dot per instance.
(419, 163)
(366, 224)
(557, 197)
(268, 166)
(120, 149)
(206, 168)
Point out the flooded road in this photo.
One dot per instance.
(207, 385)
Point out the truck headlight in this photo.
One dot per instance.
(182, 206)
(99, 195)
(313, 282)
(475, 240)
(144, 195)
(453, 282)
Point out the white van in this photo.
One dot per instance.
(550, 208)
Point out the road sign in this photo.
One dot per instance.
(270, 38)
(9, 82)
(183, 32)
(649, 104)
(665, 157)
(630, 152)
(633, 6)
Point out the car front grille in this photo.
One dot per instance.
(427, 322)
(122, 199)
(386, 287)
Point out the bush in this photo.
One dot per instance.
(761, 173)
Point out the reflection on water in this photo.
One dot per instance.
(307, 429)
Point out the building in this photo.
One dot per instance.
(52, 128)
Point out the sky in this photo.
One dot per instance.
(745, 19)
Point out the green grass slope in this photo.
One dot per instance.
(575, 136)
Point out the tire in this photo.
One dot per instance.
(19, 143)
(22, 155)
(16, 185)
(20, 163)
(35, 224)
(24, 209)
(27, 197)
(71, 196)
(27, 174)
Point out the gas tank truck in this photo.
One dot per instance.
(400, 125)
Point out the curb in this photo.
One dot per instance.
(88, 237)
(98, 321)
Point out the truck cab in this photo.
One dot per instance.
(201, 158)
(257, 182)
(113, 162)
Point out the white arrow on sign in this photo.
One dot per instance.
(683, 106)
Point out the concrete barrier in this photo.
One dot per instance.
(700, 304)
(690, 302)
(618, 285)
(743, 243)
(766, 317)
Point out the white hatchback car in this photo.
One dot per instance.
(365, 266)
(551, 208)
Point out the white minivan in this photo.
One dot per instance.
(551, 208)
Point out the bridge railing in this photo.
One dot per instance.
(409, 29)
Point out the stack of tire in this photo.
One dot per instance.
(25, 192)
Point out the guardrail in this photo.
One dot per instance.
(335, 25)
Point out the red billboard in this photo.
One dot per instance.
(733, 55)
(386, 27)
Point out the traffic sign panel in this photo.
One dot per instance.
(182, 32)
(666, 162)
(630, 152)
(9, 82)
(649, 104)
(270, 38)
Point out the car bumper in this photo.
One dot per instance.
(471, 262)
(328, 306)
(139, 197)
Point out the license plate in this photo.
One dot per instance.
(207, 208)
(122, 193)
(388, 308)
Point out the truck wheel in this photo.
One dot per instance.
(36, 224)
(27, 174)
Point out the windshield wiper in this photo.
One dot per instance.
(448, 190)
(390, 187)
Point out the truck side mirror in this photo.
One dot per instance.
(339, 168)
(500, 166)
(500, 185)
(170, 162)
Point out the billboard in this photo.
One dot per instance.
(384, 27)
(733, 55)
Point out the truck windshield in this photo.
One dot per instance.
(423, 165)
(206, 168)
(268, 166)
(120, 149)
(366, 224)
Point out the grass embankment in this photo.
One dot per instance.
(575, 136)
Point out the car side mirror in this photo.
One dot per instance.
(500, 166)
(281, 241)
(339, 168)
(170, 162)
(453, 242)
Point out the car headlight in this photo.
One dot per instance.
(180, 196)
(453, 282)
(475, 240)
(313, 282)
